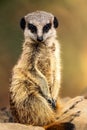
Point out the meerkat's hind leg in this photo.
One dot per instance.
(69, 116)
(70, 111)
(71, 104)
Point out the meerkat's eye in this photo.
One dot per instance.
(46, 28)
(32, 28)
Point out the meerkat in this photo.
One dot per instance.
(36, 78)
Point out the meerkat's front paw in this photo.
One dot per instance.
(52, 103)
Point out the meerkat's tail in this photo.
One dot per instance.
(61, 126)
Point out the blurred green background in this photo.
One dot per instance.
(72, 34)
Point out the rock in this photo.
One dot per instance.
(17, 126)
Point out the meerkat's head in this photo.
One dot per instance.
(39, 26)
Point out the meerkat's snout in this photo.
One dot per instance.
(39, 38)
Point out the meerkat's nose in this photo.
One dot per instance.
(40, 39)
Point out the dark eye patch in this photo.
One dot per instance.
(32, 28)
(46, 28)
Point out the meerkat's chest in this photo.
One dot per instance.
(46, 67)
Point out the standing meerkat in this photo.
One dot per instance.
(36, 78)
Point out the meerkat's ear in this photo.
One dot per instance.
(55, 22)
(22, 23)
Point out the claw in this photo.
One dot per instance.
(52, 103)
